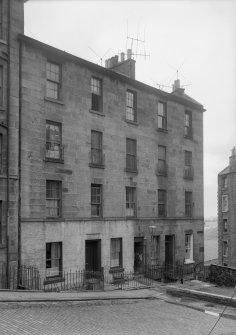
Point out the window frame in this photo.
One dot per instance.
(131, 106)
(131, 201)
(1, 152)
(225, 225)
(155, 249)
(1, 19)
(225, 248)
(188, 164)
(162, 161)
(131, 155)
(98, 204)
(96, 153)
(96, 98)
(113, 260)
(162, 118)
(1, 222)
(162, 203)
(1, 86)
(54, 142)
(188, 204)
(225, 206)
(55, 199)
(51, 260)
(57, 83)
(188, 245)
(225, 181)
(188, 124)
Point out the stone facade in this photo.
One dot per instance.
(11, 25)
(146, 236)
(227, 214)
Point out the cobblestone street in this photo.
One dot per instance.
(149, 317)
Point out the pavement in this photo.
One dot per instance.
(194, 294)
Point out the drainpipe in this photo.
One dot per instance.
(8, 132)
(19, 165)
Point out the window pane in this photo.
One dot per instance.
(1, 222)
(130, 106)
(52, 90)
(161, 117)
(188, 158)
(96, 200)
(53, 198)
(95, 86)
(130, 201)
(53, 259)
(116, 252)
(53, 141)
(53, 72)
(161, 152)
(1, 84)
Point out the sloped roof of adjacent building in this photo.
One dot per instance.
(225, 171)
(182, 99)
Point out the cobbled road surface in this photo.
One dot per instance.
(133, 318)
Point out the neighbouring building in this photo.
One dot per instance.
(97, 168)
(227, 213)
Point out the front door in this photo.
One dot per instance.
(169, 250)
(93, 255)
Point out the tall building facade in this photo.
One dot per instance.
(227, 213)
(106, 171)
(11, 25)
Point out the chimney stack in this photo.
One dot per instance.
(176, 85)
(232, 161)
(122, 57)
(126, 67)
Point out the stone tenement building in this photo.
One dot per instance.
(97, 168)
(227, 213)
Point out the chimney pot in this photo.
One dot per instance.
(129, 53)
(122, 57)
(116, 59)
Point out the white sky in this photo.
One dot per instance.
(196, 37)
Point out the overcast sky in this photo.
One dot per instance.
(198, 38)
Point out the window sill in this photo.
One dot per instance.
(162, 130)
(162, 174)
(189, 261)
(131, 171)
(3, 109)
(53, 218)
(96, 112)
(134, 123)
(54, 160)
(188, 137)
(54, 100)
(97, 166)
(53, 280)
(188, 178)
(3, 42)
(3, 246)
